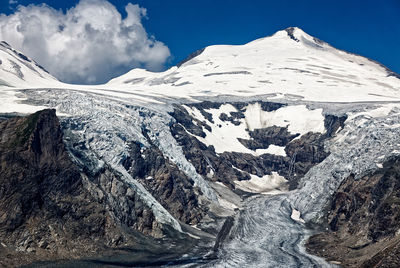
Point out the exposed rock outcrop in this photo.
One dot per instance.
(163, 179)
(51, 209)
(364, 221)
(227, 167)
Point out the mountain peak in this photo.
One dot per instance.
(290, 62)
(291, 37)
(298, 35)
(294, 33)
(18, 70)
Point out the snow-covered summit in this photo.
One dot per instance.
(294, 34)
(288, 63)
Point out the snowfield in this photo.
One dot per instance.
(297, 118)
(293, 66)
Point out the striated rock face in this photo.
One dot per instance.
(364, 221)
(163, 179)
(50, 209)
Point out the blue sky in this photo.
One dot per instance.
(367, 27)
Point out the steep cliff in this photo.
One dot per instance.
(51, 209)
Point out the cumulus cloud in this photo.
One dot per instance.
(89, 43)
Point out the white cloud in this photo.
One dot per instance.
(12, 2)
(90, 43)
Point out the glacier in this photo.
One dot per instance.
(266, 234)
(310, 77)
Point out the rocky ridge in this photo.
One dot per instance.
(49, 205)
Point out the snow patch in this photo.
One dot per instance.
(296, 216)
(226, 204)
(210, 174)
(264, 185)
(223, 135)
(297, 118)
(272, 149)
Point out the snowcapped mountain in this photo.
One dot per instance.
(239, 148)
(288, 63)
(17, 70)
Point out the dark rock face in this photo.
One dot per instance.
(183, 118)
(191, 56)
(290, 32)
(363, 221)
(262, 138)
(170, 186)
(302, 153)
(48, 206)
(204, 158)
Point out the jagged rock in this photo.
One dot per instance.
(48, 206)
(262, 138)
(170, 186)
(302, 153)
(363, 221)
(182, 117)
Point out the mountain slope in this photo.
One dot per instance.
(364, 221)
(243, 146)
(17, 70)
(49, 205)
(289, 63)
